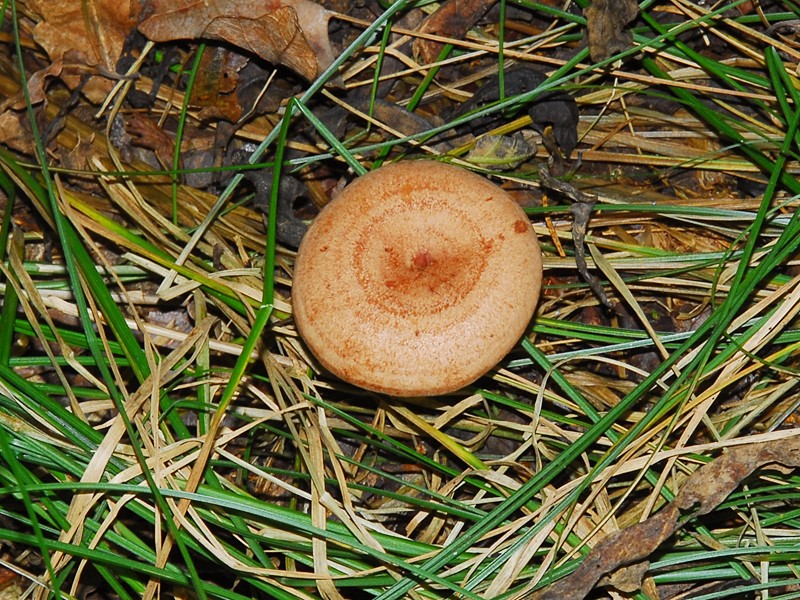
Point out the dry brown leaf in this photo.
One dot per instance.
(82, 37)
(605, 23)
(627, 579)
(293, 33)
(15, 132)
(702, 492)
(146, 134)
(454, 19)
(216, 83)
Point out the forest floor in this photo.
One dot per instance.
(164, 430)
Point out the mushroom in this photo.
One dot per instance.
(416, 280)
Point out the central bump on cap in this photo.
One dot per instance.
(422, 259)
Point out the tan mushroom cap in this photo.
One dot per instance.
(416, 279)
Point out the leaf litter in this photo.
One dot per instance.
(612, 160)
(701, 493)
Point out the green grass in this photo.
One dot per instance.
(206, 455)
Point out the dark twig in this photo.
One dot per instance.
(581, 209)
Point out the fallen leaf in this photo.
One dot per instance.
(453, 20)
(703, 491)
(82, 38)
(146, 134)
(15, 132)
(626, 579)
(293, 33)
(216, 83)
(605, 24)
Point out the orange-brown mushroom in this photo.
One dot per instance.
(417, 279)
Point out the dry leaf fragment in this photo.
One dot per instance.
(605, 25)
(702, 492)
(293, 33)
(453, 19)
(15, 132)
(82, 37)
(627, 579)
(216, 84)
(146, 134)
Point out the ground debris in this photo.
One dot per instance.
(702, 492)
(605, 24)
(551, 108)
(581, 209)
(453, 20)
(75, 48)
(293, 33)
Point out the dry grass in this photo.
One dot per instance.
(165, 432)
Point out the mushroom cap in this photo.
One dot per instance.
(417, 279)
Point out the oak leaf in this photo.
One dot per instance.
(81, 38)
(293, 33)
